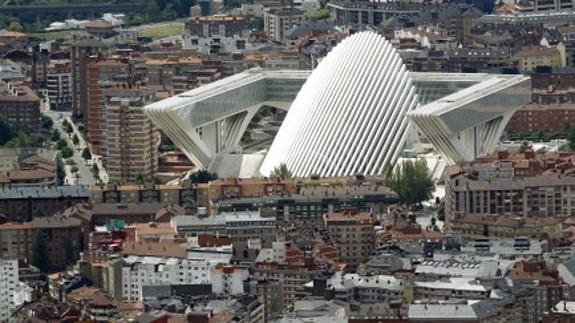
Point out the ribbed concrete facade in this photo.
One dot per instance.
(349, 117)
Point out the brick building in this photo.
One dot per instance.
(20, 106)
(352, 234)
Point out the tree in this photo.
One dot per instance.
(54, 135)
(5, 133)
(411, 181)
(203, 176)
(15, 27)
(61, 144)
(69, 128)
(282, 172)
(74, 169)
(75, 140)
(524, 147)
(140, 180)
(46, 122)
(86, 154)
(66, 152)
(38, 257)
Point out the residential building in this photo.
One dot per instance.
(290, 267)
(63, 236)
(59, 85)
(20, 106)
(548, 118)
(28, 167)
(217, 34)
(238, 226)
(80, 56)
(102, 75)
(21, 203)
(157, 271)
(523, 185)
(529, 59)
(129, 149)
(279, 21)
(9, 285)
(184, 194)
(468, 311)
(352, 234)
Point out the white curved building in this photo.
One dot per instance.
(350, 115)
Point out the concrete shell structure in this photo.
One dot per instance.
(350, 115)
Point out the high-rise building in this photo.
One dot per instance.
(352, 235)
(279, 21)
(8, 286)
(80, 55)
(59, 85)
(129, 147)
(102, 75)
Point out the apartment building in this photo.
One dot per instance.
(352, 235)
(138, 272)
(63, 236)
(81, 51)
(289, 267)
(217, 34)
(9, 284)
(21, 203)
(102, 74)
(20, 106)
(279, 21)
(184, 194)
(239, 226)
(129, 149)
(539, 196)
(529, 59)
(59, 85)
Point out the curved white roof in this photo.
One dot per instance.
(349, 116)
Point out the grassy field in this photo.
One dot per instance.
(162, 30)
(50, 35)
(155, 31)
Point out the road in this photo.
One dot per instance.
(84, 167)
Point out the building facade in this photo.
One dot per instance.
(352, 235)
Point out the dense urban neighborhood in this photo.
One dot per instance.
(255, 161)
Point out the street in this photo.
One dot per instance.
(84, 174)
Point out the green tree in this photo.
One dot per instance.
(283, 172)
(66, 152)
(16, 27)
(69, 128)
(38, 256)
(54, 135)
(86, 154)
(203, 176)
(60, 172)
(6, 133)
(152, 11)
(61, 144)
(46, 122)
(74, 169)
(140, 180)
(411, 181)
(75, 140)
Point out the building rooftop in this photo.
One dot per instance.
(472, 310)
(46, 192)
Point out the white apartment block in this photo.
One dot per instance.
(278, 22)
(157, 271)
(8, 287)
